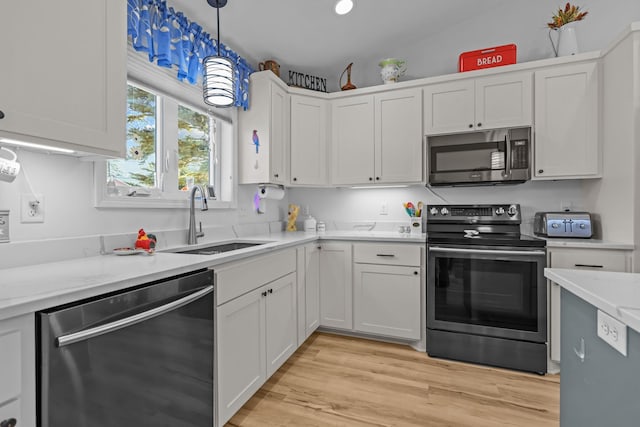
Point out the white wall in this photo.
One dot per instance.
(67, 183)
(67, 186)
(345, 204)
(522, 22)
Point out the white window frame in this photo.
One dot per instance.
(172, 92)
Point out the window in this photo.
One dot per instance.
(171, 145)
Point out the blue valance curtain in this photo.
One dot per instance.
(170, 38)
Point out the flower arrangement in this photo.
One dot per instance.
(571, 13)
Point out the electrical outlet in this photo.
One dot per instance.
(384, 208)
(613, 332)
(31, 208)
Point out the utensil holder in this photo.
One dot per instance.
(416, 225)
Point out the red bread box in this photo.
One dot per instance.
(487, 58)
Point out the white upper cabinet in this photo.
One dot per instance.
(352, 142)
(377, 138)
(64, 74)
(309, 129)
(567, 139)
(498, 101)
(263, 132)
(449, 107)
(398, 136)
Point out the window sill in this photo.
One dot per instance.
(156, 203)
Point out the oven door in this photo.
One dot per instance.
(491, 291)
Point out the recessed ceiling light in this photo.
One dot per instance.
(344, 6)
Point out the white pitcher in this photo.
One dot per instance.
(392, 69)
(567, 43)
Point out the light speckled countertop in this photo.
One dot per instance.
(36, 287)
(617, 294)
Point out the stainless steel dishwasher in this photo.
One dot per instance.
(143, 357)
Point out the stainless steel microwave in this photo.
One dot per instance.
(498, 156)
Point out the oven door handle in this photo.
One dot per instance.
(85, 334)
(484, 251)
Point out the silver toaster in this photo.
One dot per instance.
(563, 224)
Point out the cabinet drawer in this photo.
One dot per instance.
(10, 365)
(387, 254)
(238, 278)
(590, 259)
(11, 410)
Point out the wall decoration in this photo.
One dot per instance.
(256, 141)
(307, 81)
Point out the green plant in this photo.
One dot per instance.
(571, 13)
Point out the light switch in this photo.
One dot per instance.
(613, 332)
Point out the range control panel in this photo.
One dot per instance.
(4, 226)
(476, 213)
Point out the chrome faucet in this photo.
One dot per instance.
(192, 236)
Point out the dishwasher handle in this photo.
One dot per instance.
(85, 334)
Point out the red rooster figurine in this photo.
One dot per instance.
(145, 241)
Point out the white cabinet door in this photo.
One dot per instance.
(493, 102)
(281, 318)
(308, 141)
(387, 300)
(398, 136)
(336, 287)
(352, 142)
(581, 259)
(263, 132)
(241, 349)
(504, 100)
(279, 134)
(17, 370)
(312, 288)
(449, 107)
(64, 73)
(567, 140)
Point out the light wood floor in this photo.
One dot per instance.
(342, 381)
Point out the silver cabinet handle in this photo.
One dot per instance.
(85, 334)
(386, 255)
(580, 353)
(484, 251)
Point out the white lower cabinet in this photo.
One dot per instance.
(336, 286)
(256, 325)
(256, 334)
(581, 259)
(241, 349)
(17, 370)
(387, 289)
(387, 300)
(280, 321)
(312, 288)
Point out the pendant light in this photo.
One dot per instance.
(218, 87)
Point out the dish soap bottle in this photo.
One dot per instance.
(309, 221)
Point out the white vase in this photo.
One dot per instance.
(567, 43)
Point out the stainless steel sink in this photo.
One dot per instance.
(219, 248)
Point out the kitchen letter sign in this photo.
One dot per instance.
(307, 81)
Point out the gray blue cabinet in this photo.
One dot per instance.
(604, 388)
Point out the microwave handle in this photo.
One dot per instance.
(507, 161)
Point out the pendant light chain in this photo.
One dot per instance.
(218, 15)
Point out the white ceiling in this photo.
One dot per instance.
(307, 35)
